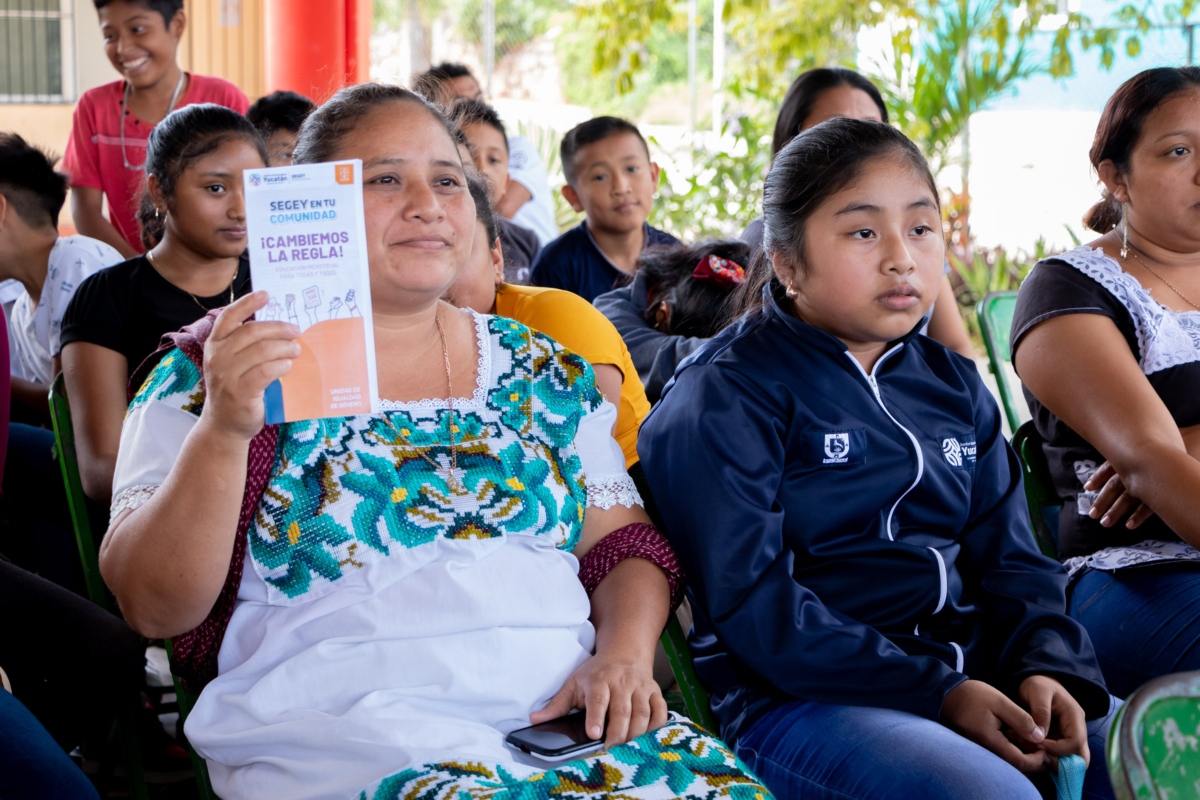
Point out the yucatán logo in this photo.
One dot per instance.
(837, 448)
(959, 451)
(255, 179)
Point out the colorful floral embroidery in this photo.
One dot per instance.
(347, 491)
(174, 380)
(677, 761)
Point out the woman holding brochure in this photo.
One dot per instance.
(399, 591)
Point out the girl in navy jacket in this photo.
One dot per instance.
(873, 618)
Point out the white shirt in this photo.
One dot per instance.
(383, 623)
(526, 168)
(34, 331)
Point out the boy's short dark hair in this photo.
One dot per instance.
(468, 111)
(434, 83)
(166, 8)
(280, 110)
(453, 69)
(590, 132)
(30, 183)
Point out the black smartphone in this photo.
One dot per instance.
(557, 740)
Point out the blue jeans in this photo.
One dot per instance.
(1143, 622)
(32, 766)
(817, 751)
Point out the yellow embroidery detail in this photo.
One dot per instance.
(670, 756)
(515, 484)
(399, 494)
(293, 532)
(514, 397)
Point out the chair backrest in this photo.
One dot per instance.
(64, 446)
(1039, 487)
(695, 698)
(1154, 743)
(995, 313)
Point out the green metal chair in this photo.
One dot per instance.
(1039, 487)
(64, 445)
(995, 313)
(186, 700)
(695, 698)
(1154, 742)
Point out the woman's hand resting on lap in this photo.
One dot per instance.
(620, 688)
(241, 359)
(1114, 502)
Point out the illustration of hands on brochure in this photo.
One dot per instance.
(308, 252)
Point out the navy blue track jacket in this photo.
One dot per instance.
(852, 538)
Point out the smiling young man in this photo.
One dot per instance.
(611, 178)
(112, 122)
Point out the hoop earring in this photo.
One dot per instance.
(790, 291)
(157, 213)
(1124, 232)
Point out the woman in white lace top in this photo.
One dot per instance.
(1106, 339)
(415, 584)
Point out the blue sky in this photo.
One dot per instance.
(1091, 85)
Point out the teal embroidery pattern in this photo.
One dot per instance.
(677, 761)
(348, 491)
(174, 380)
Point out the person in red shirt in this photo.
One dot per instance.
(113, 122)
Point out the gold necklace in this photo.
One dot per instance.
(452, 479)
(1170, 285)
(232, 281)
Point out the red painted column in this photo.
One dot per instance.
(305, 44)
(358, 41)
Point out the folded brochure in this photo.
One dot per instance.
(308, 251)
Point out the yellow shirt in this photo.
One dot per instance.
(576, 324)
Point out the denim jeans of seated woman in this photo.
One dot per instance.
(817, 751)
(1144, 622)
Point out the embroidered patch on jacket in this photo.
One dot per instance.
(836, 448)
(959, 450)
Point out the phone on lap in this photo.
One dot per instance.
(559, 739)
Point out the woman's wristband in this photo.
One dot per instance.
(636, 540)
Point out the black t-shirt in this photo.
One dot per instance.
(520, 246)
(128, 307)
(1166, 345)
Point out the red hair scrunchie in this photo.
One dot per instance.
(636, 540)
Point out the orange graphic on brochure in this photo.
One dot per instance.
(330, 376)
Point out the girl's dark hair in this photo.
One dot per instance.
(1121, 124)
(324, 128)
(478, 187)
(180, 140)
(698, 307)
(810, 169)
(802, 95)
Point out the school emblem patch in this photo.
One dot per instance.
(837, 448)
(959, 451)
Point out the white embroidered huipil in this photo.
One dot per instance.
(384, 622)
